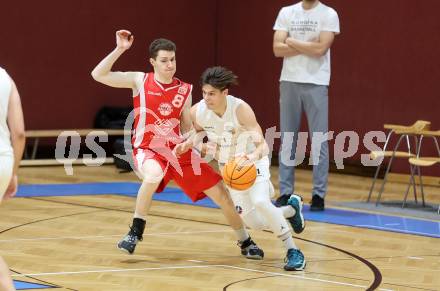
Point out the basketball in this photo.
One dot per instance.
(239, 174)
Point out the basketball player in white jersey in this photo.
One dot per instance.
(12, 140)
(229, 123)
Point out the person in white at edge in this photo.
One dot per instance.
(229, 122)
(303, 35)
(12, 140)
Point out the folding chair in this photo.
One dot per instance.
(403, 132)
(419, 161)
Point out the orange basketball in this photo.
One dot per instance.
(239, 174)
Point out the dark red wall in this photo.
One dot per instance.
(50, 48)
(385, 61)
(385, 64)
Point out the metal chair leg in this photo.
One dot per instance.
(421, 186)
(414, 185)
(388, 169)
(390, 133)
(374, 181)
(412, 182)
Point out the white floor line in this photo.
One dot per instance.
(190, 267)
(61, 237)
(301, 277)
(393, 229)
(114, 271)
(111, 235)
(166, 268)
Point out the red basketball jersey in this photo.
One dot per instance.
(157, 113)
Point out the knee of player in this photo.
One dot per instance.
(152, 172)
(150, 178)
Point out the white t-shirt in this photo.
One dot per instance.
(5, 92)
(306, 25)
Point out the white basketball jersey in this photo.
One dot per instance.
(225, 130)
(5, 92)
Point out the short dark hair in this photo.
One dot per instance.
(161, 44)
(219, 78)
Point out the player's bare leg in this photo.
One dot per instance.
(152, 174)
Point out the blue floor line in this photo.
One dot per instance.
(330, 215)
(21, 285)
(375, 221)
(77, 189)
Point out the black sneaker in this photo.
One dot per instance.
(317, 203)
(128, 242)
(282, 200)
(250, 250)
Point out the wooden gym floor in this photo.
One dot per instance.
(69, 242)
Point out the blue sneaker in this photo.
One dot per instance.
(294, 260)
(297, 221)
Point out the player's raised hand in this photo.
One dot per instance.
(124, 39)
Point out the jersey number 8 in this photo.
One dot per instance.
(178, 101)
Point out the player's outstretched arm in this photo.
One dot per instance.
(103, 73)
(205, 148)
(186, 125)
(194, 138)
(187, 128)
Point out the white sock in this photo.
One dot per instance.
(287, 240)
(137, 215)
(242, 234)
(288, 211)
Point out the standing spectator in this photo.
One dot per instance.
(303, 35)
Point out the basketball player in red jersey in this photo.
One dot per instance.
(162, 116)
